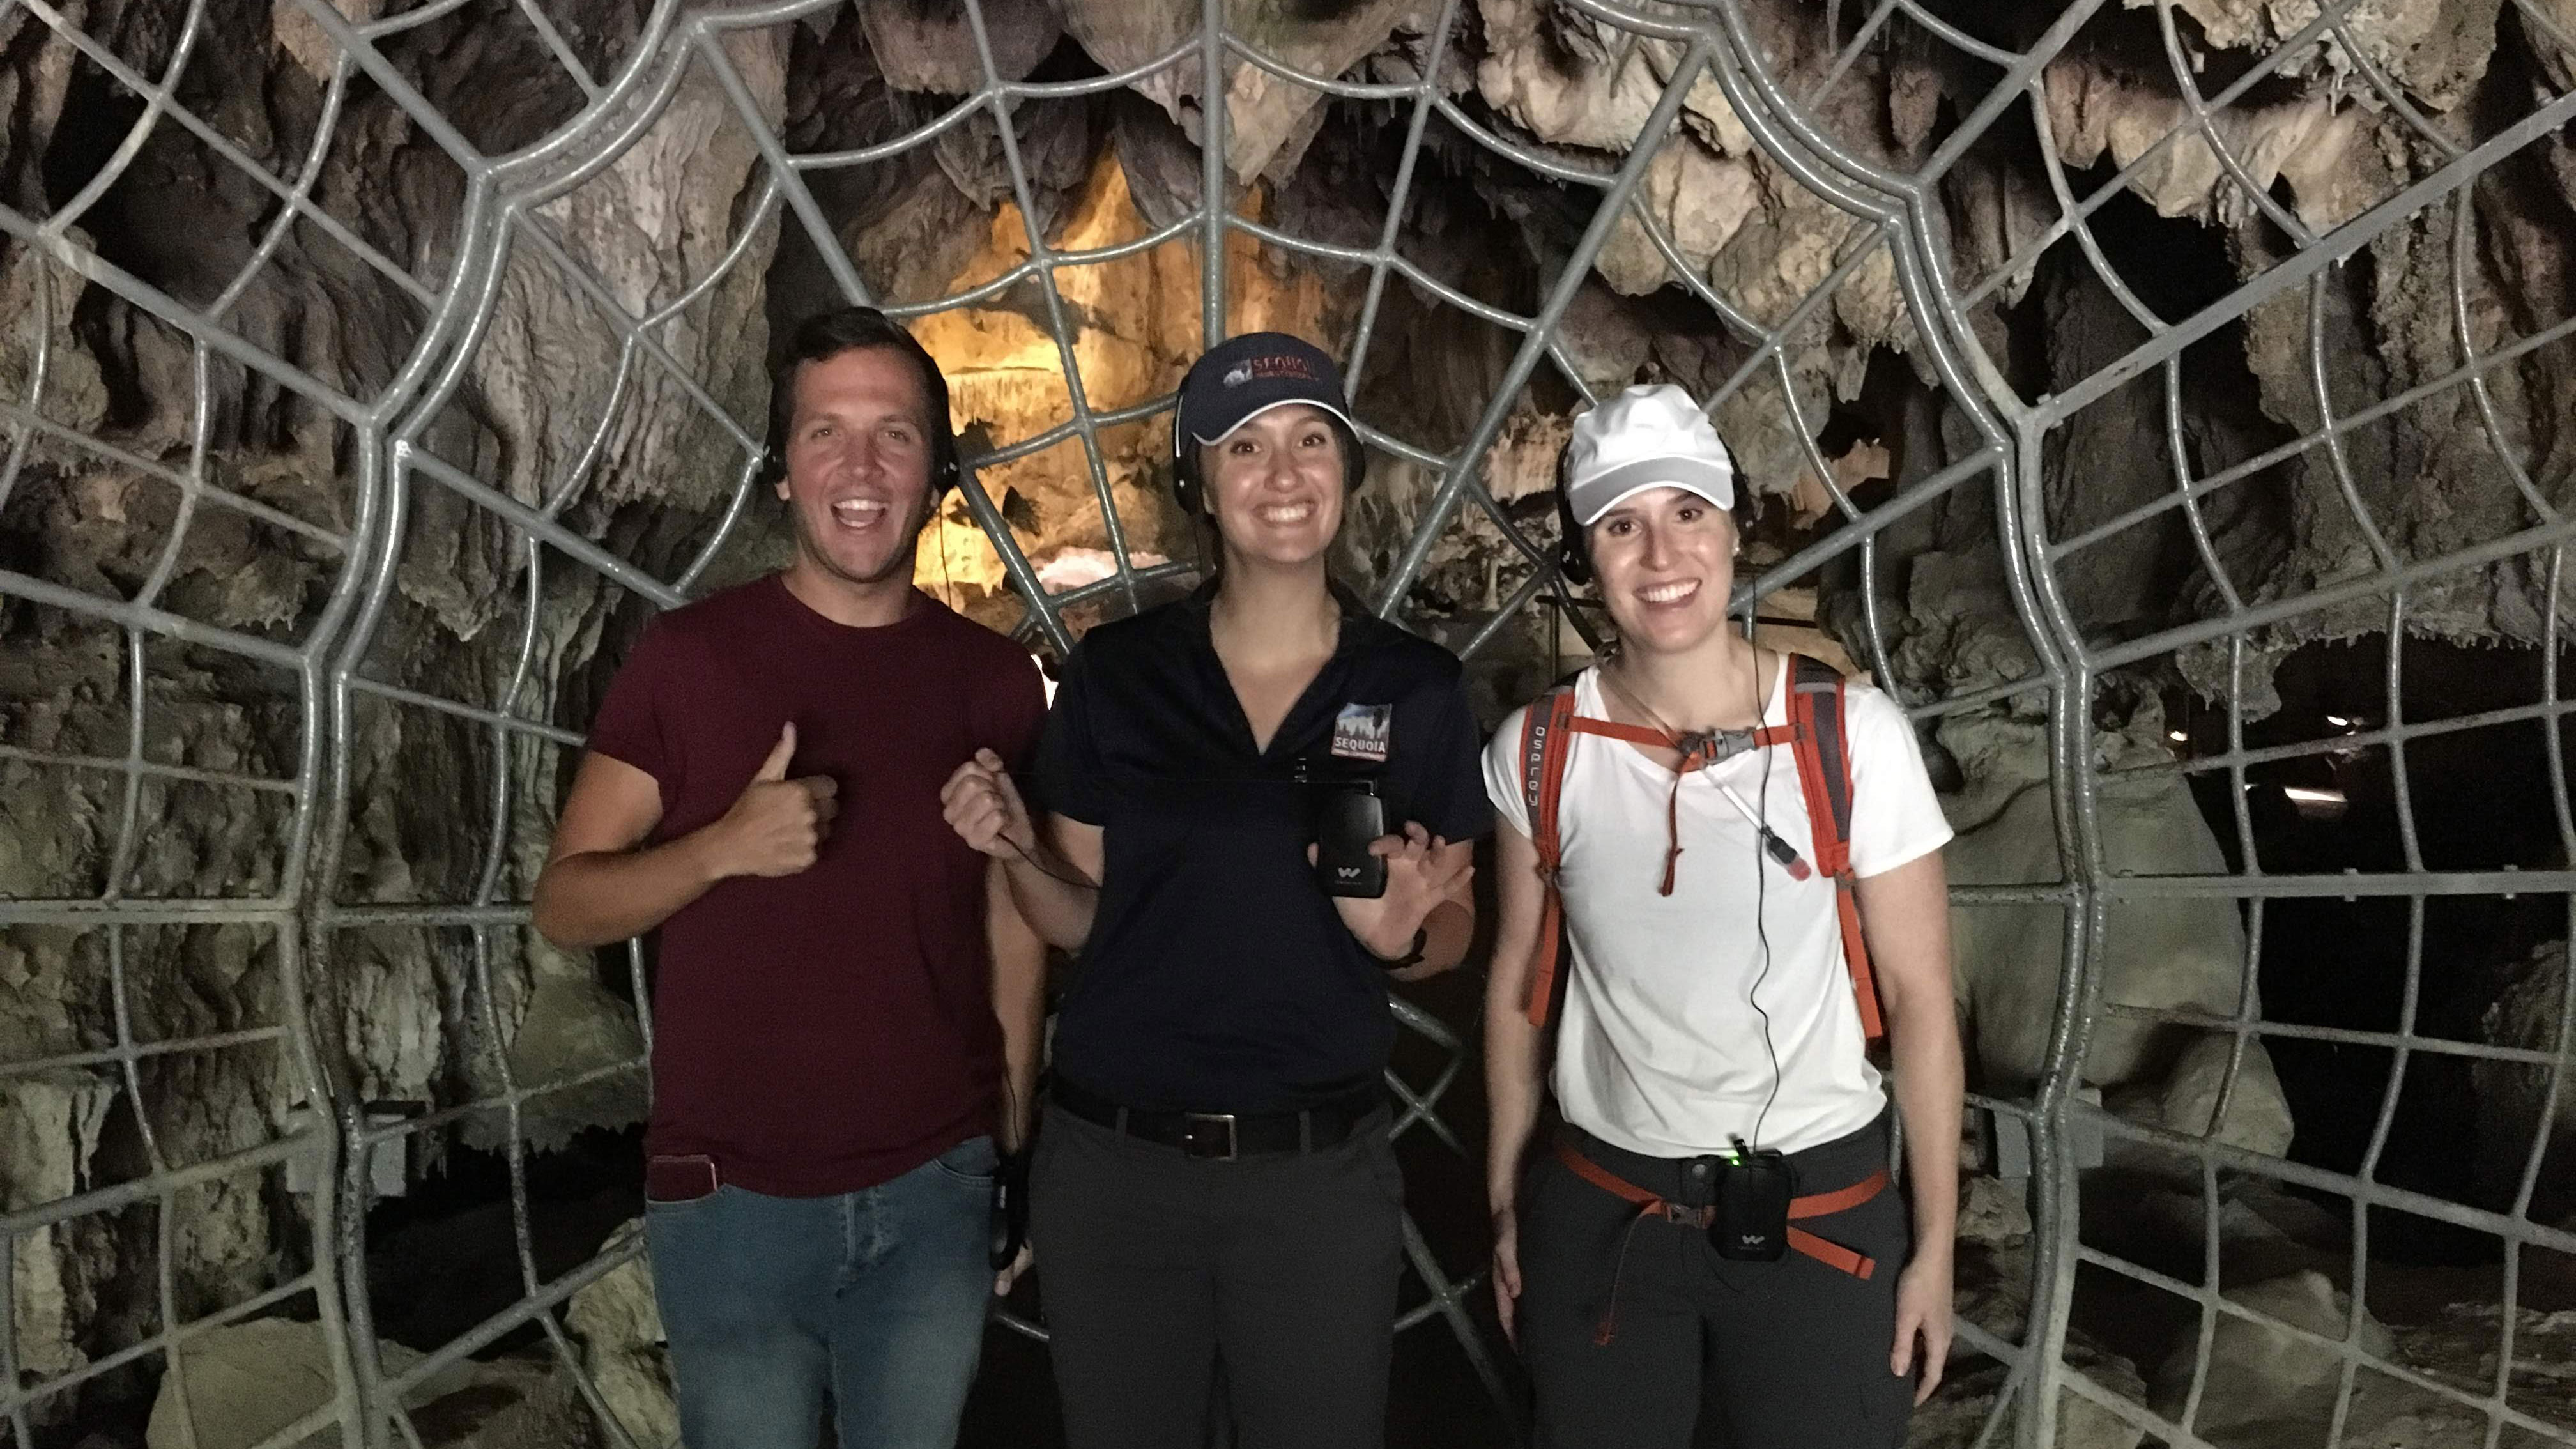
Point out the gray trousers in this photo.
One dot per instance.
(1786, 1355)
(1158, 1272)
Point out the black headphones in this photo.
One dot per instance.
(1573, 540)
(1190, 489)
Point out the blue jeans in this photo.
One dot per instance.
(877, 1296)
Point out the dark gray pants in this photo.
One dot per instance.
(1783, 1355)
(1159, 1271)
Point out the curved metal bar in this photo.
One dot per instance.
(120, 858)
(432, 121)
(2394, 702)
(1061, 329)
(576, 473)
(1953, 36)
(1639, 23)
(32, 424)
(156, 99)
(1525, 358)
(1099, 84)
(627, 328)
(1852, 50)
(2479, 395)
(2260, 71)
(2392, 95)
(2359, 418)
(2108, 275)
(592, 140)
(1116, 251)
(325, 127)
(2281, 216)
(89, 266)
(554, 43)
(2178, 452)
(912, 140)
(2563, 1051)
(410, 19)
(2331, 596)
(201, 421)
(1037, 443)
(818, 228)
(1355, 362)
(2330, 250)
(1526, 156)
(746, 479)
(1338, 89)
(2321, 395)
(1482, 311)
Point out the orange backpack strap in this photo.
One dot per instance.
(1547, 731)
(1824, 775)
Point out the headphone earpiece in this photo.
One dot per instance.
(1185, 471)
(945, 469)
(1573, 547)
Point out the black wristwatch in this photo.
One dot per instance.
(1412, 954)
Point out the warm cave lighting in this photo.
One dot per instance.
(2180, 737)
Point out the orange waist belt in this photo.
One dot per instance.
(1817, 1205)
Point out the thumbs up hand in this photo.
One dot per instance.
(776, 826)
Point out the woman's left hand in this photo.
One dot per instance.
(1420, 873)
(1923, 1311)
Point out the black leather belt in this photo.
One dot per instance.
(1225, 1135)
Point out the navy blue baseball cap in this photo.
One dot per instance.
(1251, 374)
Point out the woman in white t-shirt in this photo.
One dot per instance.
(1710, 1059)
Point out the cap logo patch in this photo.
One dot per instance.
(1363, 731)
(1271, 367)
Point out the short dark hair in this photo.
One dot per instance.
(827, 335)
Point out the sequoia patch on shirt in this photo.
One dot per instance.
(1217, 976)
(1361, 732)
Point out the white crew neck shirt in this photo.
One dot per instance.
(1660, 1047)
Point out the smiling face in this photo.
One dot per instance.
(1665, 559)
(859, 456)
(1274, 485)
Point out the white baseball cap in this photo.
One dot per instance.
(1646, 437)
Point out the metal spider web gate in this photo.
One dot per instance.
(298, 913)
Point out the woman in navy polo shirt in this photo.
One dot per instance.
(1214, 1190)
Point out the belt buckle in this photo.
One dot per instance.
(1208, 1134)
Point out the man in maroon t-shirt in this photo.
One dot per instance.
(842, 979)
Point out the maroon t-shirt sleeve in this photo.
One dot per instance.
(630, 726)
(1010, 712)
